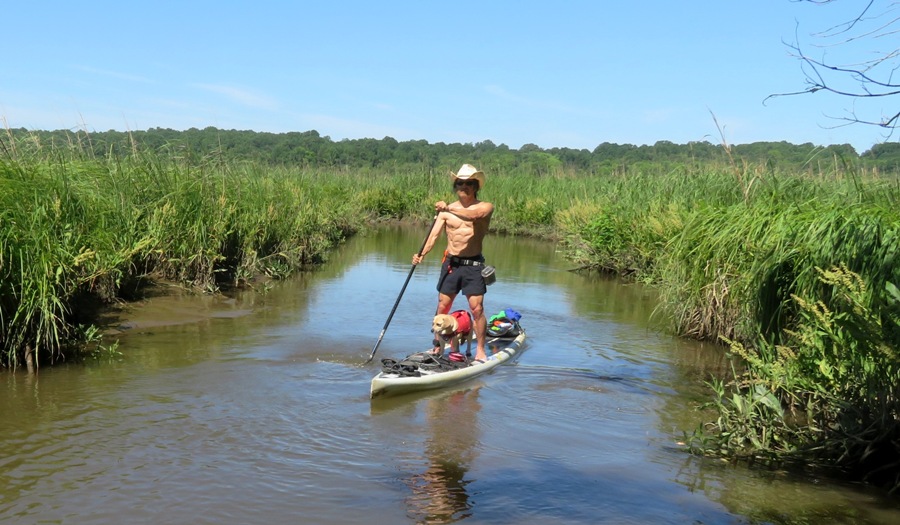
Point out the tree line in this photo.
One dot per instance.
(309, 148)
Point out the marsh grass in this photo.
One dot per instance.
(76, 231)
(830, 394)
(754, 257)
(740, 259)
(736, 252)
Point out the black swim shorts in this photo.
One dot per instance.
(465, 278)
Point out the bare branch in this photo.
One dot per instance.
(867, 79)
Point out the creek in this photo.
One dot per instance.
(254, 408)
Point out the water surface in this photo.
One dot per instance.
(255, 409)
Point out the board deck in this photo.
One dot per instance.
(506, 351)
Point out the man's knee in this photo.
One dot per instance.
(478, 311)
(444, 303)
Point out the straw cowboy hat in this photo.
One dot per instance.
(467, 172)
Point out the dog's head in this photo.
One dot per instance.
(444, 324)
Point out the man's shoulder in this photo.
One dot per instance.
(487, 206)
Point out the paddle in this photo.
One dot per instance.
(397, 302)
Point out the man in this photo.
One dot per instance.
(465, 222)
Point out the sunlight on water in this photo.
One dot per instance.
(255, 409)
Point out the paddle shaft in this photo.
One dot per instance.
(397, 302)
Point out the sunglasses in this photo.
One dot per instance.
(459, 183)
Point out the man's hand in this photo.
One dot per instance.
(440, 206)
(417, 258)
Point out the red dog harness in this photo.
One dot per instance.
(463, 321)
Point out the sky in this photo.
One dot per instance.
(571, 74)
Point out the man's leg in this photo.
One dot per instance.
(476, 305)
(445, 302)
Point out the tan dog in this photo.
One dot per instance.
(455, 328)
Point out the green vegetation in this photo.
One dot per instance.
(828, 395)
(76, 231)
(309, 149)
(798, 275)
(788, 258)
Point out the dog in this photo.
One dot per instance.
(455, 328)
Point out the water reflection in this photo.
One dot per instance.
(439, 493)
(256, 409)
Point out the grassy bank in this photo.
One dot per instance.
(76, 232)
(796, 273)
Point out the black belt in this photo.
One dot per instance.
(466, 261)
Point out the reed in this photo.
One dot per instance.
(75, 230)
(755, 256)
(796, 271)
(828, 395)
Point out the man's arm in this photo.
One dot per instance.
(481, 210)
(435, 232)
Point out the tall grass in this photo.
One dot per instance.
(798, 272)
(75, 231)
(829, 394)
(752, 257)
(78, 230)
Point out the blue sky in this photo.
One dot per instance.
(556, 74)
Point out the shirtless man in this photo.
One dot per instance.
(466, 222)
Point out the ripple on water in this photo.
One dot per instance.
(265, 417)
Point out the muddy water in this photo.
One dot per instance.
(255, 409)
